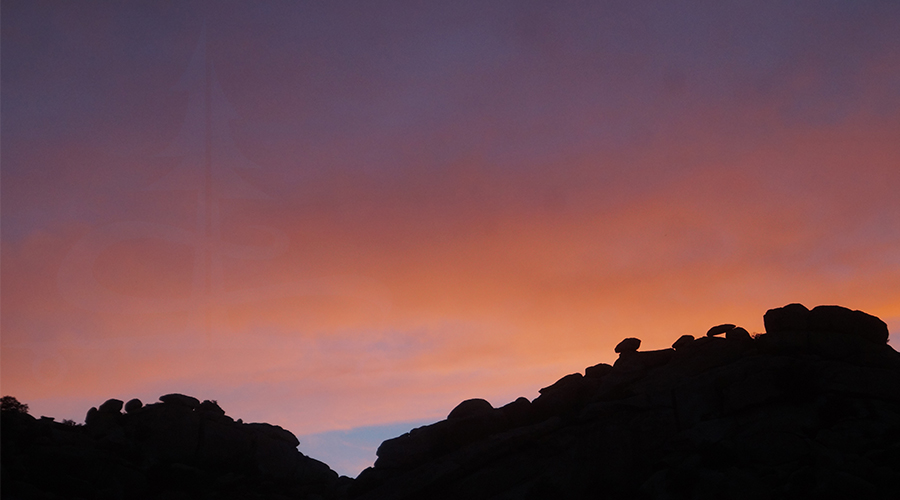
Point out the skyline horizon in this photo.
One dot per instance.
(337, 217)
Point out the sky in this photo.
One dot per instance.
(344, 218)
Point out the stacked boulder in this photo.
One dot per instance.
(179, 447)
(808, 409)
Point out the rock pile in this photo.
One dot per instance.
(177, 448)
(809, 409)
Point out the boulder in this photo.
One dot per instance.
(683, 341)
(470, 408)
(628, 345)
(211, 407)
(844, 320)
(597, 371)
(111, 406)
(411, 448)
(566, 384)
(133, 405)
(738, 333)
(91, 416)
(101, 423)
(518, 412)
(649, 359)
(180, 400)
(562, 397)
(790, 318)
(275, 432)
(719, 329)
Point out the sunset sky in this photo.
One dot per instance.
(344, 218)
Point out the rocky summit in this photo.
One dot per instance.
(178, 448)
(808, 409)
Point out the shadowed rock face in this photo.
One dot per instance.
(809, 409)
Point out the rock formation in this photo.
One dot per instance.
(177, 448)
(809, 409)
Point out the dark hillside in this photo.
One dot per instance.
(178, 448)
(810, 409)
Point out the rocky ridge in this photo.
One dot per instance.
(178, 448)
(808, 409)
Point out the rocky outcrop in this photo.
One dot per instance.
(809, 409)
(797, 318)
(630, 344)
(719, 329)
(177, 448)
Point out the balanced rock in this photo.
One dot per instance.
(627, 345)
(719, 329)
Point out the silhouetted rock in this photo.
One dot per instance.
(560, 398)
(630, 344)
(597, 371)
(737, 333)
(470, 408)
(180, 399)
(173, 449)
(91, 416)
(682, 342)
(111, 406)
(519, 412)
(792, 322)
(843, 320)
(790, 318)
(649, 359)
(808, 410)
(274, 432)
(210, 407)
(133, 405)
(719, 329)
